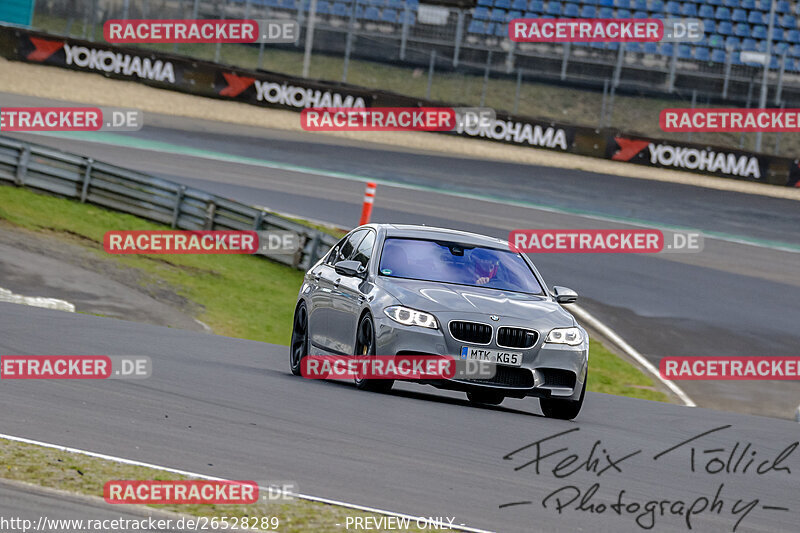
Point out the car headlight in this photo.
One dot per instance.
(411, 317)
(571, 336)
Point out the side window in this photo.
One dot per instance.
(333, 257)
(350, 245)
(364, 250)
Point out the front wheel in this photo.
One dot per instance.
(563, 409)
(365, 345)
(298, 348)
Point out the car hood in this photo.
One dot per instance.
(447, 297)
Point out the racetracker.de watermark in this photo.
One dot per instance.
(599, 30)
(411, 367)
(395, 118)
(75, 367)
(70, 119)
(183, 492)
(273, 242)
(730, 120)
(729, 368)
(618, 241)
(201, 31)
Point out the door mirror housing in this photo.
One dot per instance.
(349, 268)
(563, 295)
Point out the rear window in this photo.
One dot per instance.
(456, 263)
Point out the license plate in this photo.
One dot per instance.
(492, 356)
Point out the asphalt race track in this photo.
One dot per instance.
(730, 299)
(228, 407)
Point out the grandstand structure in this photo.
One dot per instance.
(475, 40)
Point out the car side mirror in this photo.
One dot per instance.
(349, 268)
(563, 295)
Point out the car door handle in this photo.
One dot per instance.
(317, 277)
(336, 283)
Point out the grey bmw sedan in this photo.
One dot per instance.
(393, 290)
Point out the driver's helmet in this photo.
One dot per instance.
(486, 263)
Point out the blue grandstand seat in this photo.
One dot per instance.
(340, 10)
(673, 8)
(706, 11)
(788, 21)
(759, 32)
(481, 13)
(741, 30)
(725, 28)
(599, 46)
(666, 49)
(502, 4)
(739, 15)
(761, 46)
(520, 5)
(794, 50)
(701, 53)
(730, 3)
(377, 3)
(640, 15)
(793, 36)
(633, 47)
(270, 3)
(722, 13)
(622, 4)
(748, 4)
(780, 48)
(536, 6)
(764, 5)
(497, 15)
(778, 34)
(389, 15)
(736, 59)
(733, 42)
(489, 28)
(749, 45)
(403, 15)
(606, 13)
(572, 10)
(650, 48)
(783, 7)
(476, 26)
(588, 12)
(487, 3)
(689, 10)
(623, 14)
(715, 2)
(640, 5)
(399, 5)
(553, 8)
(718, 56)
(716, 41)
(531, 15)
(755, 17)
(511, 15)
(371, 13)
(684, 51)
(501, 30)
(324, 8)
(612, 46)
(606, 3)
(657, 6)
(286, 4)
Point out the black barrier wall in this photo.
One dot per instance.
(270, 89)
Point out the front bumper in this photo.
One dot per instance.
(547, 370)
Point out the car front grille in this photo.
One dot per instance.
(473, 332)
(554, 377)
(516, 337)
(507, 376)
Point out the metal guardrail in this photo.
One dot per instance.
(44, 169)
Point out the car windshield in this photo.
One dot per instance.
(450, 262)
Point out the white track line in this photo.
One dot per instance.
(611, 335)
(131, 462)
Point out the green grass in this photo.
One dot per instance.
(631, 114)
(87, 475)
(238, 295)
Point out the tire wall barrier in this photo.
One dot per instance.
(269, 89)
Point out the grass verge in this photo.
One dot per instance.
(87, 475)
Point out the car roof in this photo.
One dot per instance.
(417, 231)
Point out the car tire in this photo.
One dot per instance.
(563, 409)
(485, 397)
(365, 345)
(298, 348)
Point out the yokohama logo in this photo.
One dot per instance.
(302, 97)
(117, 63)
(706, 160)
(519, 133)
